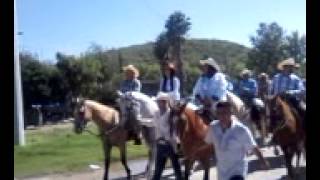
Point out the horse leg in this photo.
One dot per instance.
(107, 153)
(288, 154)
(123, 154)
(188, 165)
(206, 166)
(263, 130)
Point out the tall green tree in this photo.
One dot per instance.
(295, 46)
(268, 48)
(170, 42)
(161, 49)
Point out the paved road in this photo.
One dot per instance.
(277, 171)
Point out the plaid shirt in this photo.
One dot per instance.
(290, 83)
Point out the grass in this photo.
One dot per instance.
(58, 150)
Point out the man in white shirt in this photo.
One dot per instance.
(166, 139)
(210, 88)
(232, 140)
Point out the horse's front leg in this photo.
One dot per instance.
(188, 165)
(288, 154)
(206, 167)
(107, 153)
(123, 154)
(151, 162)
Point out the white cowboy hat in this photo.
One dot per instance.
(162, 96)
(245, 71)
(132, 68)
(211, 62)
(287, 62)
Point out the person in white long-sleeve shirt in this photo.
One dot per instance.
(166, 138)
(169, 82)
(210, 88)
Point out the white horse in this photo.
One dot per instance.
(139, 109)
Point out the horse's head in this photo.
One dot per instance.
(129, 106)
(81, 115)
(177, 115)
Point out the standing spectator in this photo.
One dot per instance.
(166, 139)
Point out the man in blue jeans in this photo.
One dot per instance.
(166, 139)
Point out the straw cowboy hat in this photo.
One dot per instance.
(211, 62)
(287, 62)
(133, 69)
(245, 72)
(171, 66)
(263, 75)
(161, 96)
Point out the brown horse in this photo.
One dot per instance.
(107, 120)
(288, 131)
(191, 130)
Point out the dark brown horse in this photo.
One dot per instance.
(288, 130)
(191, 131)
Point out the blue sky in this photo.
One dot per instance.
(71, 26)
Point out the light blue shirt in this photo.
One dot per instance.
(216, 86)
(175, 92)
(231, 147)
(291, 83)
(248, 87)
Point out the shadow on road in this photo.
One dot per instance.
(277, 162)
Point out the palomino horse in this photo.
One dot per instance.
(288, 131)
(138, 110)
(191, 130)
(111, 134)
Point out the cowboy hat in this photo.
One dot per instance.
(132, 68)
(263, 75)
(287, 62)
(171, 66)
(245, 72)
(161, 96)
(211, 62)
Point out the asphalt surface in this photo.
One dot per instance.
(276, 172)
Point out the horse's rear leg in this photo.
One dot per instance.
(123, 154)
(107, 154)
(288, 154)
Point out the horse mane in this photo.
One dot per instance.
(195, 122)
(290, 119)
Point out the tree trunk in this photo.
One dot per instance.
(179, 64)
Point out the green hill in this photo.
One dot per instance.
(231, 56)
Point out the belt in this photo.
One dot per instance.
(162, 141)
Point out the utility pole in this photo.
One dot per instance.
(18, 98)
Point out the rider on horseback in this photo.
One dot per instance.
(131, 83)
(210, 88)
(288, 82)
(247, 87)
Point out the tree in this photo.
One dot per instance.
(295, 46)
(161, 49)
(177, 25)
(268, 48)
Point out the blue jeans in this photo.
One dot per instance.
(165, 151)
